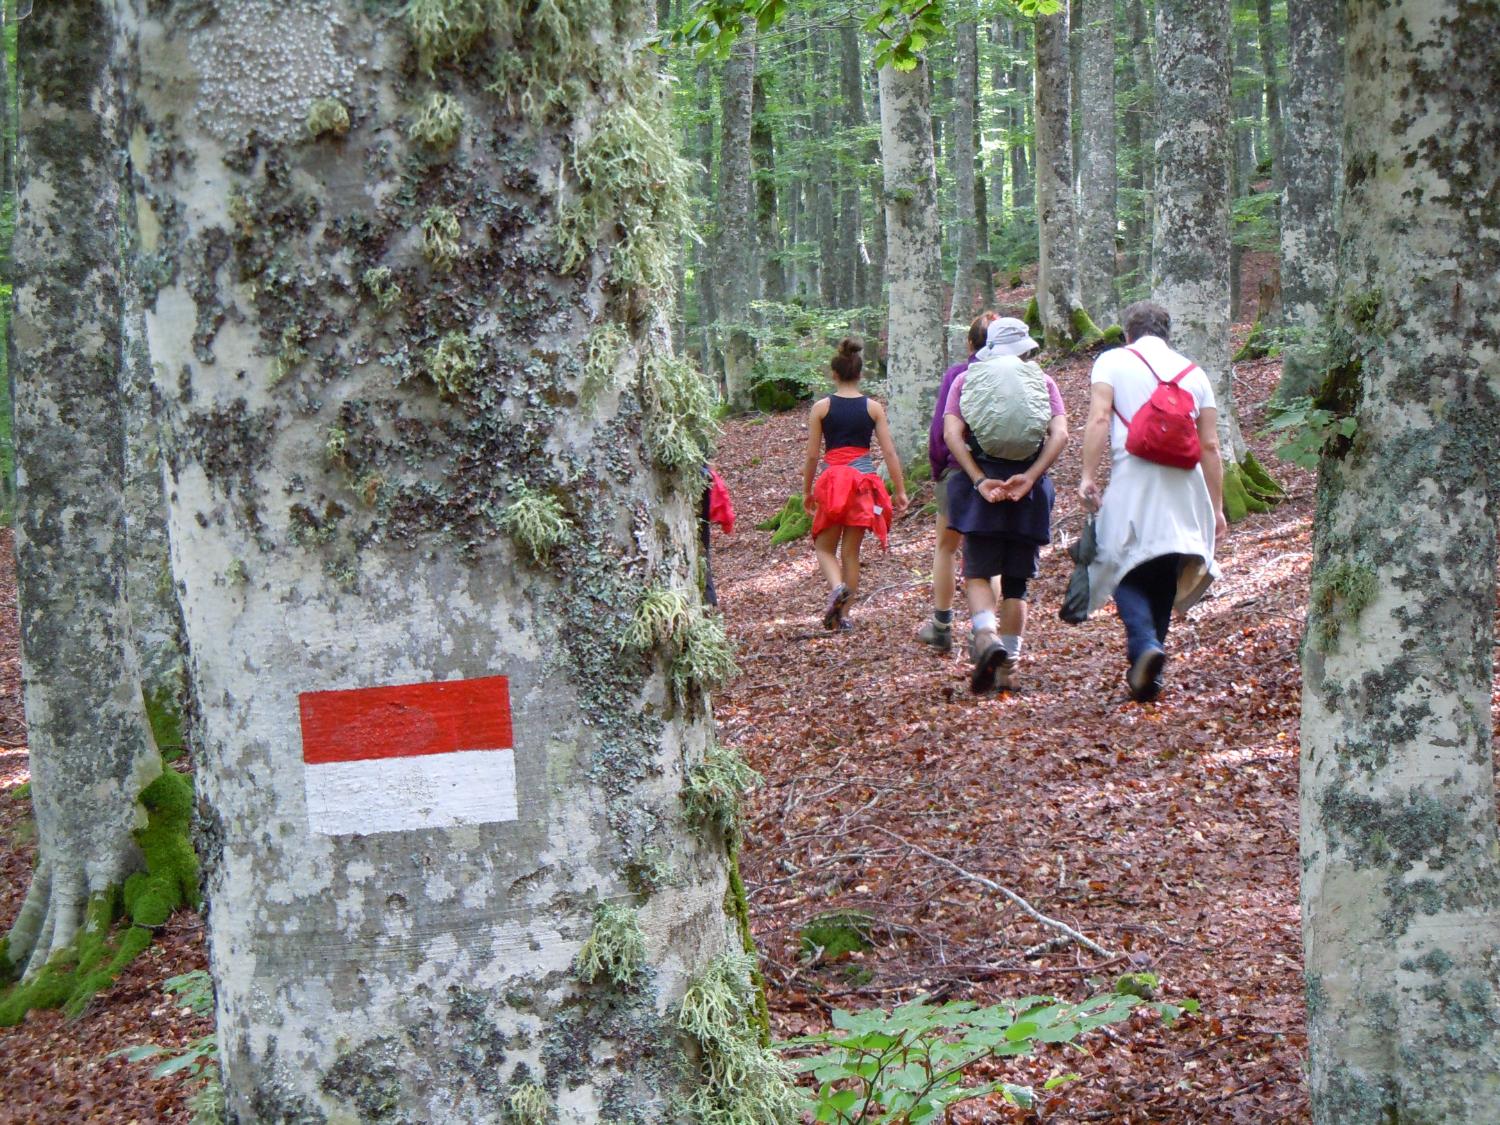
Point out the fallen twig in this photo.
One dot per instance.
(1061, 927)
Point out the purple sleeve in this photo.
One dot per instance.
(1056, 396)
(954, 394)
(938, 457)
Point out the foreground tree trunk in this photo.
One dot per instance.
(1309, 211)
(1058, 303)
(914, 324)
(433, 481)
(1190, 251)
(1098, 218)
(90, 754)
(1400, 858)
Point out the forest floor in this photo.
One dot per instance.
(1167, 831)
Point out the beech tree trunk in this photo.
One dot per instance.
(1267, 38)
(917, 352)
(1098, 218)
(1145, 69)
(851, 226)
(1190, 250)
(735, 258)
(1400, 857)
(90, 753)
(429, 453)
(966, 292)
(1309, 212)
(768, 229)
(1058, 302)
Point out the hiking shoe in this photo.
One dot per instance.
(988, 655)
(1144, 677)
(938, 636)
(1004, 670)
(835, 608)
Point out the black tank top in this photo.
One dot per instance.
(848, 422)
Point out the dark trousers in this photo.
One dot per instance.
(1144, 598)
(710, 595)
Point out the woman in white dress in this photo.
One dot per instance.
(1157, 524)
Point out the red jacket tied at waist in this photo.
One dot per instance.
(845, 496)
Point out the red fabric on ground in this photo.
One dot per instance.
(846, 497)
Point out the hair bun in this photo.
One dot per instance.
(850, 346)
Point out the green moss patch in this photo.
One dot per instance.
(790, 523)
(836, 934)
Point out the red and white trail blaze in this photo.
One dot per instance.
(388, 759)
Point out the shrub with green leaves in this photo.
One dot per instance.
(907, 1066)
(715, 788)
(616, 947)
(196, 1061)
(536, 523)
(1307, 430)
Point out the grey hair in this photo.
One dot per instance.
(1146, 318)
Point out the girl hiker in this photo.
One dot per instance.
(1004, 424)
(850, 498)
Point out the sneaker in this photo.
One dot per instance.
(1144, 677)
(938, 636)
(835, 608)
(988, 655)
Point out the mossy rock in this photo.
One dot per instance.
(837, 934)
(1033, 317)
(791, 522)
(1260, 483)
(1238, 501)
(772, 396)
(1113, 336)
(1257, 345)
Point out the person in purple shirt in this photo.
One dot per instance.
(938, 632)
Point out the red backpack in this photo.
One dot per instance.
(1164, 431)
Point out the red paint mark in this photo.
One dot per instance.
(405, 721)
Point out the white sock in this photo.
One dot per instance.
(1011, 642)
(983, 620)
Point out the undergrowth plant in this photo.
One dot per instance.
(906, 1066)
(196, 1062)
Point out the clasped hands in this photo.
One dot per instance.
(1012, 488)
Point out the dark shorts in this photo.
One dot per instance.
(991, 556)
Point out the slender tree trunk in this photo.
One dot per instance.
(914, 324)
(1098, 219)
(1309, 214)
(1246, 109)
(1023, 193)
(1145, 67)
(735, 258)
(1400, 857)
(90, 752)
(825, 213)
(1000, 83)
(421, 474)
(966, 292)
(875, 175)
(1190, 254)
(1061, 309)
(703, 269)
(851, 225)
(1267, 36)
(768, 228)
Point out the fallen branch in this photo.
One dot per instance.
(1061, 927)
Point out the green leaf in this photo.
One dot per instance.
(1058, 1079)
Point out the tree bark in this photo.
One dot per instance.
(768, 229)
(1400, 857)
(875, 177)
(427, 429)
(966, 292)
(916, 347)
(1098, 219)
(1309, 213)
(90, 753)
(1190, 251)
(1145, 69)
(1267, 37)
(734, 260)
(1023, 189)
(1058, 302)
(851, 225)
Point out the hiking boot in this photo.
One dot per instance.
(938, 636)
(1004, 670)
(835, 608)
(988, 655)
(1144, 677)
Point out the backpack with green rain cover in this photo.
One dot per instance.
(1006, 407)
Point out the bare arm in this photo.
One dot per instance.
(1095, 443)
(1213, 466)
(814, 449)
(888, 451)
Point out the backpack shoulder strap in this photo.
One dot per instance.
(1149, 368)
(1175, 379)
